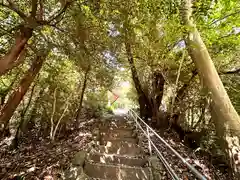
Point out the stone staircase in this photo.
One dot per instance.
(116, 154)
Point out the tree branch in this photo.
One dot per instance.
(60, 12)
(14, 8)
(34, 8)
(224, 17)
(59, 29)
(236, 71)
(9, 32)
(171, 46)
(41, 12)
(57, 15)
(228, 35)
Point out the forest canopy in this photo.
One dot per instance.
(176, 62)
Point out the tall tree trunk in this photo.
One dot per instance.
(156, 97)
(5, 93)
(220, 133)
(158, 86)
(143, 100)
(176, 84)
(82, 92)
(15, 141)
(53, 112)
(208, 73)
(17, 53)
(59, 120)
(145, 107)
(16, 97)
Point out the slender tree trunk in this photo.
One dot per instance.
(156, 97)
(208, 73)
(53, 112)
(145, 107)
(176, 84)
(158, 86)
(59, 120)
(82, 92)
(16, 54)
(16, 97)
(143, 100)
(15, 141)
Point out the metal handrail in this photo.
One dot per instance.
(164, 161)
(170, 170)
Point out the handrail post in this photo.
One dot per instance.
(149, 142)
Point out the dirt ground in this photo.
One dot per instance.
(42, 159)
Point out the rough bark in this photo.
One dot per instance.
(4, 94)
(145, 107)
(208, 74)
(16, 54)
(158, 86)
(18, 94)
(156, 99)
(15, 141)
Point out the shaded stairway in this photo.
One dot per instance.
(117, 154)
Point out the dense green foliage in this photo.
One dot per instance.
(87, 40)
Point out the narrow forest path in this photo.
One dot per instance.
(119, 151)
(116, 154)
(66, 65)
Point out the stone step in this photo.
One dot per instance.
(117, 159)
(116, 133)
(123, 148)
(105, 139)
(107, 128)
(115, 124)
(111, 172)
